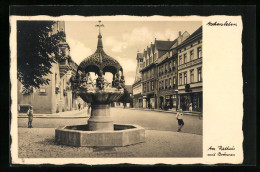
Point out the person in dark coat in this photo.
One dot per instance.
(30, 117)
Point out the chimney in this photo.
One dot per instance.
(179, 33)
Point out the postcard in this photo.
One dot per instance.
(126, 89)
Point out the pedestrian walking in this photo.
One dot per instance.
(179, 117)
(30, 117)
(79, 106)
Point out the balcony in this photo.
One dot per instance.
(191, 63)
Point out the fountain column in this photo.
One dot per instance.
(100, 119)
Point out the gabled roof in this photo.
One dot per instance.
(176, 40)
(163, 45)
(149, 51)
(140, 55)
(145, 53)
(193, 35)
(152, 47)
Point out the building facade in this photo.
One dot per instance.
(167, 75)
(190, 72)
(137, 86)
(149, 92)
(57, 96)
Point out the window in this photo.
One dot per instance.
(170, 65)
(185, 78)
(144, 87)
(191, 76)
(170, 53)
(152, 85)
(165, 68)
(180, 60)
(141, 60)
(174, 81)
(185, 58)
(191, 55)
(147, 86)
(180, 79)
(199, 75)
(199, 52)
(162, 84)
(166, 82)
(170, 82)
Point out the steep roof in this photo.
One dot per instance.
(193, 35)
(163, 45)
(149, 51)
(145, 53)
(152, 47)
(140, 55)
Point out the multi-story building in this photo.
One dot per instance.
(190, 72)
(57, 96)
(149, 78)
(137, 86)
(167, 73)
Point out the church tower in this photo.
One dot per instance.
(140, 65)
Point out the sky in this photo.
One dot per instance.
(122, 39)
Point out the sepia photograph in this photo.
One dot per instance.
(109, 89)
(126, 89)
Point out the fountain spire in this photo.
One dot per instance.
(100, 44)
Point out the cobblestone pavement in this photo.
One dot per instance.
(40, 143)
(150, 120)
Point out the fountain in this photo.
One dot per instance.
(100, 129)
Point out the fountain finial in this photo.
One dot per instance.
(100, 44)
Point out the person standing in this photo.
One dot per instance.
(190, 108)
(79, 106)
(179, 117)
(30, 117)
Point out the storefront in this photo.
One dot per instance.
(194, 98)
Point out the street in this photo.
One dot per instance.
(161, 138)
(150, 120)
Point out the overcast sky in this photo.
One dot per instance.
(122, 40)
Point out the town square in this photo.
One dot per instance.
(137, 93)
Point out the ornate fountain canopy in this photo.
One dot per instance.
(100, 60)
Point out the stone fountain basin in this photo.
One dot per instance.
(97, 96)
(78, 135)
